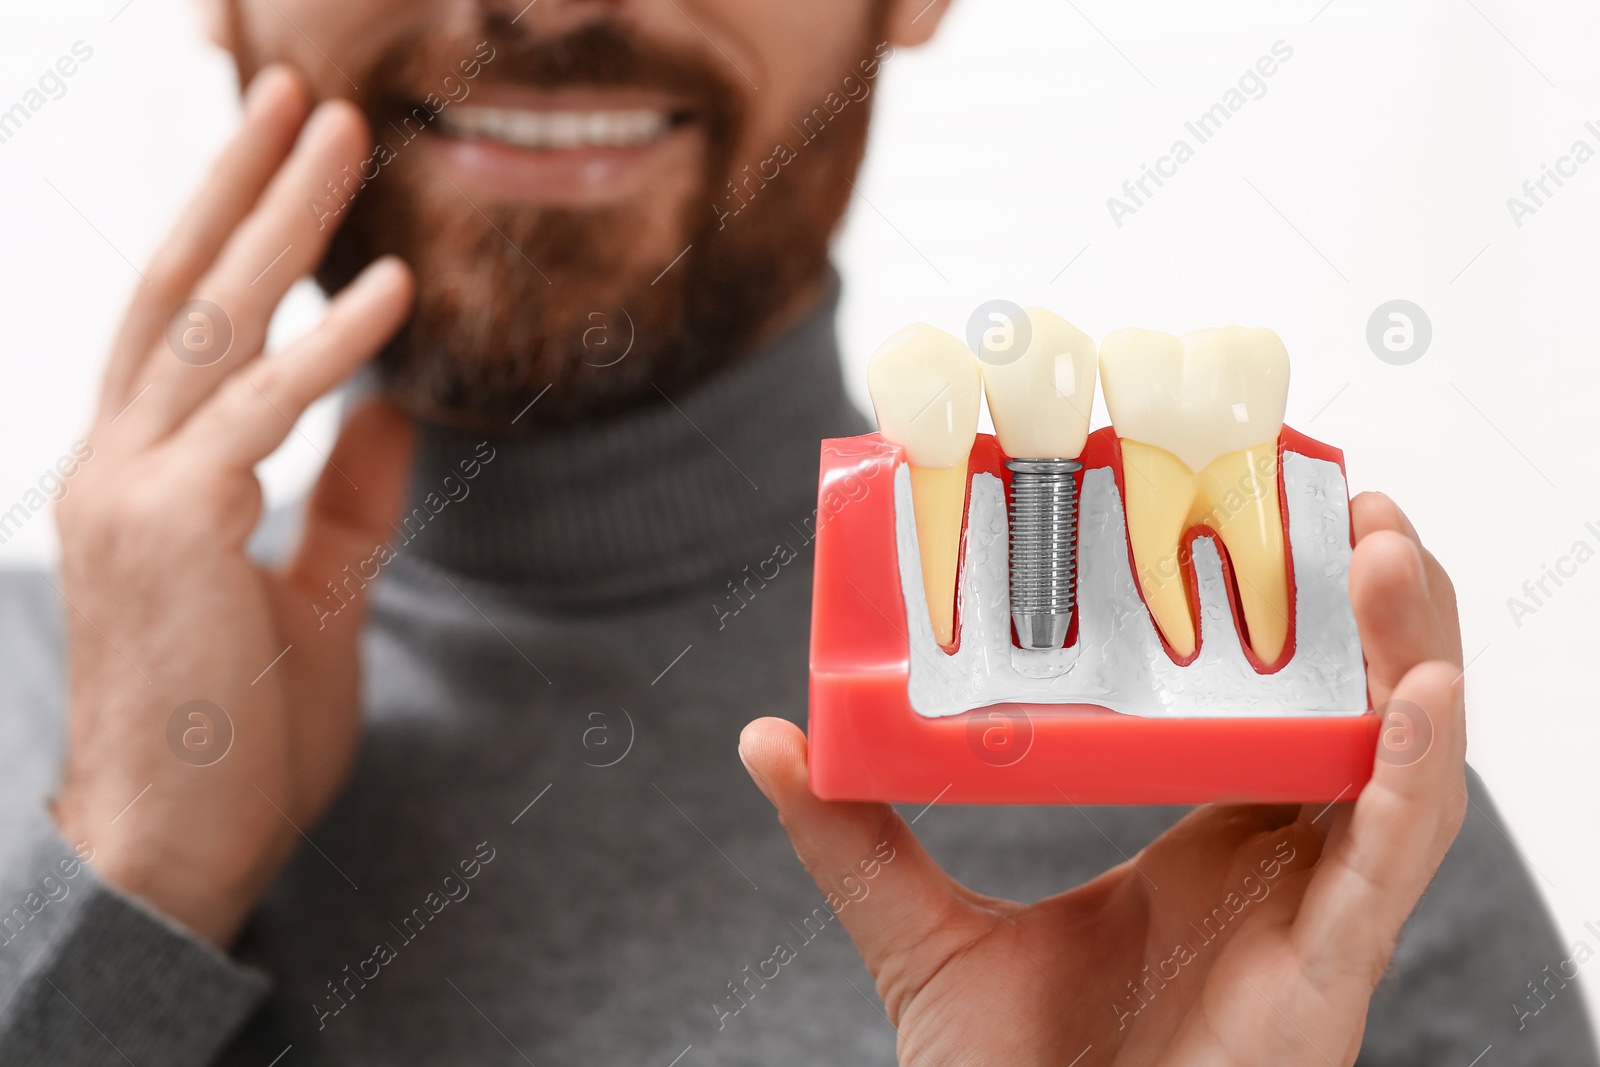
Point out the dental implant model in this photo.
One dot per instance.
(1199, 417)
(1040, 400)
(925, 388)
(1155, 612)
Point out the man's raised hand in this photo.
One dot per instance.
(163, 606)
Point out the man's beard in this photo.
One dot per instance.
(530, 318)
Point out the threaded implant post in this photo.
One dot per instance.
(1043, 509)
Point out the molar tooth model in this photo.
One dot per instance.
(1153, 613)
(1199, 418)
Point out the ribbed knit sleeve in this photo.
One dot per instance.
(90, 976)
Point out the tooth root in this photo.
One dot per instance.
(1160, 495)
(1236, 495)
(938, 498)
(1250, 525)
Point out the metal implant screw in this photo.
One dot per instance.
(1043, 509)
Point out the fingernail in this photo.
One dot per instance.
(321, 115)
(755, 776)
(328, 114)
(263, 84)
(382, 270)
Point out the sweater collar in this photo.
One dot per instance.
(676, 493)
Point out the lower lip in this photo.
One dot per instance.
(566, 177)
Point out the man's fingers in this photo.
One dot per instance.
(252, 414)
(358, 495)
(905, 915)
(346, 534)
(281, 240)
(1400, 626)
(1376, 865)
(274, 111)
(1371, 512)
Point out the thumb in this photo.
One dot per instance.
(357, 496)
(904, 913)
(1400, 596)
(1376, 866)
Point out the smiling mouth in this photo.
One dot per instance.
(549, 130)
(572, 147)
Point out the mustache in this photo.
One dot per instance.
(488, 332)
(598, 55)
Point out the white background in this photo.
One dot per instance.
(1377, 166)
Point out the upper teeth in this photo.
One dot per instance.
(925, 389)
(555, 129)
(1199, 417)
(1040, 402)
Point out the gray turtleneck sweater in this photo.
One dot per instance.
(549, 852)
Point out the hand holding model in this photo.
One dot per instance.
(163, 606)
(1246, 934)
(972, 979)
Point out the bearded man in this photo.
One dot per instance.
(446, 773)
